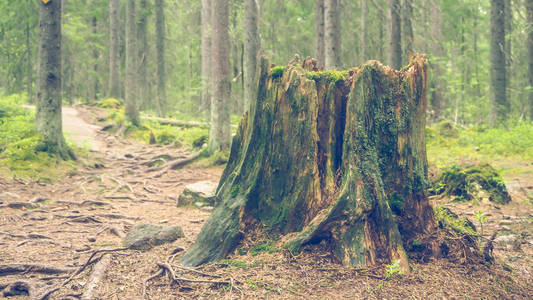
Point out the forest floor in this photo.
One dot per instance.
(61, 224)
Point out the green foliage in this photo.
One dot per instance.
(277, 72)
(110, 103)
(466, 182)
(393, 270)
(447, 219)
(235, 263)
(481, 218)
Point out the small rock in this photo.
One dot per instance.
(146, 236)
(202, 191)
(505, 223)
(91, 239)
(199, 204)
(207, 208)
(506, 217)
(505, 239)
(163, 221)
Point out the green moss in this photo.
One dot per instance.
(277, 72)
(235, 263)
(467, 182)
(330, 76)
(109, 103)
(266, 246)
(396, 202)
(447, 129)
(447, 219)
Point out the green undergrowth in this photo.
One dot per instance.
(152, 132)
(20, 143)
(447, 219)
(446, 143)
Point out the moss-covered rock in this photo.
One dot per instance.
(471, 182)
(447, 129)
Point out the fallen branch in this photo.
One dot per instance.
(98, 273)
(179, 123)
(89, 262)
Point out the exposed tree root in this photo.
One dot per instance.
(173, 165)
(10, 269)
(17, 288)
(98, 273)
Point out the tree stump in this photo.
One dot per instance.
(327, 156)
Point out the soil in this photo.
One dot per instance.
(113, 190)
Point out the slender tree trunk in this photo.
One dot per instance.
(48, 110)
(529, 9)
(132, 112)
(251, 47)
(508, 48)
(331, 34)
(29, 66)
(498, 76)
(142, 45)
(407, 30)
(114, 58)
(365, 40)
(382, 20)
(319, 32)
(436, 49)
(96, 55)
(161, 99)
(220, 135)
(395, 31)
(206, 53)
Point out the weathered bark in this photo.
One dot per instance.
(142, 50)
(49, 98)
(96, 55)
(395, 34)
(220, 135)
(161, 99)
(529, 9)
(132, 112)
(114, 59)
(251, 48)
(319, 32)
(508, 49)
(327, 157)
(498, 76)
(331, 34)
(407, 29)
(206, 53)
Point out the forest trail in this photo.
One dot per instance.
(60, 224)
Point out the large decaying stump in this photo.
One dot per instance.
(327, 156)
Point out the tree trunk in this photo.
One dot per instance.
(49, 98)
(161, 99)
(29, 66)
(499, 103)
(395, 34)
(529, 9)
(96, 83)
(319, 32)
(331, 34)
(142, 45)
(436, 49)
(407, 29)
(206, 53)
(365, 40)
(132, 112)
(381, 31)
(508, 44)
(114, 59)
(220, 135)
(251, 47)
(326, 158)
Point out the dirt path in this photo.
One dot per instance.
(63, 223)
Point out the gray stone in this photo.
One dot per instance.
(198, 192)
(146, 236)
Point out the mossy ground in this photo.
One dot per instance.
(21, 151)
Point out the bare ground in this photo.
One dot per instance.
(88, 210)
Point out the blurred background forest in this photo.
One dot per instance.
(455, 34)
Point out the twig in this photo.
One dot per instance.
(98, 273)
